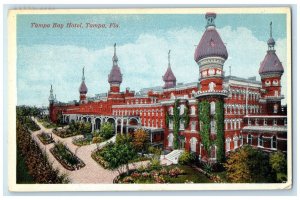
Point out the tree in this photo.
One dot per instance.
(248, 165)
(219, 117)
(140, 140)
(87, 127)
(106, 130)
(279, 165)
(278, 162)
(119, 155)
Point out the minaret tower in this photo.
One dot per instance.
(82, 90)
(115, 76)
(169, 78)
(270, 71)
(210, 55)
(51, 104)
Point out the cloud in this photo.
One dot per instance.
(142, 63)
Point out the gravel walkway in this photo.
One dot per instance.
(92, 172)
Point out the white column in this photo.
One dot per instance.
(122, 125)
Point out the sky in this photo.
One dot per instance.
(56, 56)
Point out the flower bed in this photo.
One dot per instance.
(169, 174)
(66, 158)
(29, 123)
(64, 133)
(45, 138)
(97, 156)
(81, 141)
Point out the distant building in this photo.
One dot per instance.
(233, 111)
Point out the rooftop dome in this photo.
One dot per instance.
(169, 75)
(115, 75)
(271, 63)
(211, 43)
(83, 89)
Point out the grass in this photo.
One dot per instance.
(191, 176)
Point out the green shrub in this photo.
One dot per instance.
(107, 130)
(184, 159)
(155, 164)
(97, 139)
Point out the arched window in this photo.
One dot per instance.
(170, 140)
(193, 142)
(228, 144)
(182, 109)
(235, 142)
(193, 110)
(276, 108)
(260, 141)
(274, 142)
(241, 140)
(212, 126)
(249, 139)
(211, 86)
(193, 126)
(212, 108)
(213, 152)
(171, 110)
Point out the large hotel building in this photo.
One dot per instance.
(211, 117)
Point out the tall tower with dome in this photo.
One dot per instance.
(270, 71)
(210, 55)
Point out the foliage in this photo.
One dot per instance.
(204, 120)
(219, 117)
(278, 162)
(29, 111)
(75, 128)
(207, 167)
(155, 163)
(167, 119)
(279, 165)
(68, 159)
(97, 139)
(248, 165)
(81, 141)
(107, 130)
(45, 138)
(123, 139)
(140, 140)
(154, 150)
(186, 117)
(176, 124)
(184, 159)
(120, 154)
(169, 174)
(33, 161)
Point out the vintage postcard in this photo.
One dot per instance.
(150, 99)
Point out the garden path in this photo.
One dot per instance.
(92, 172)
